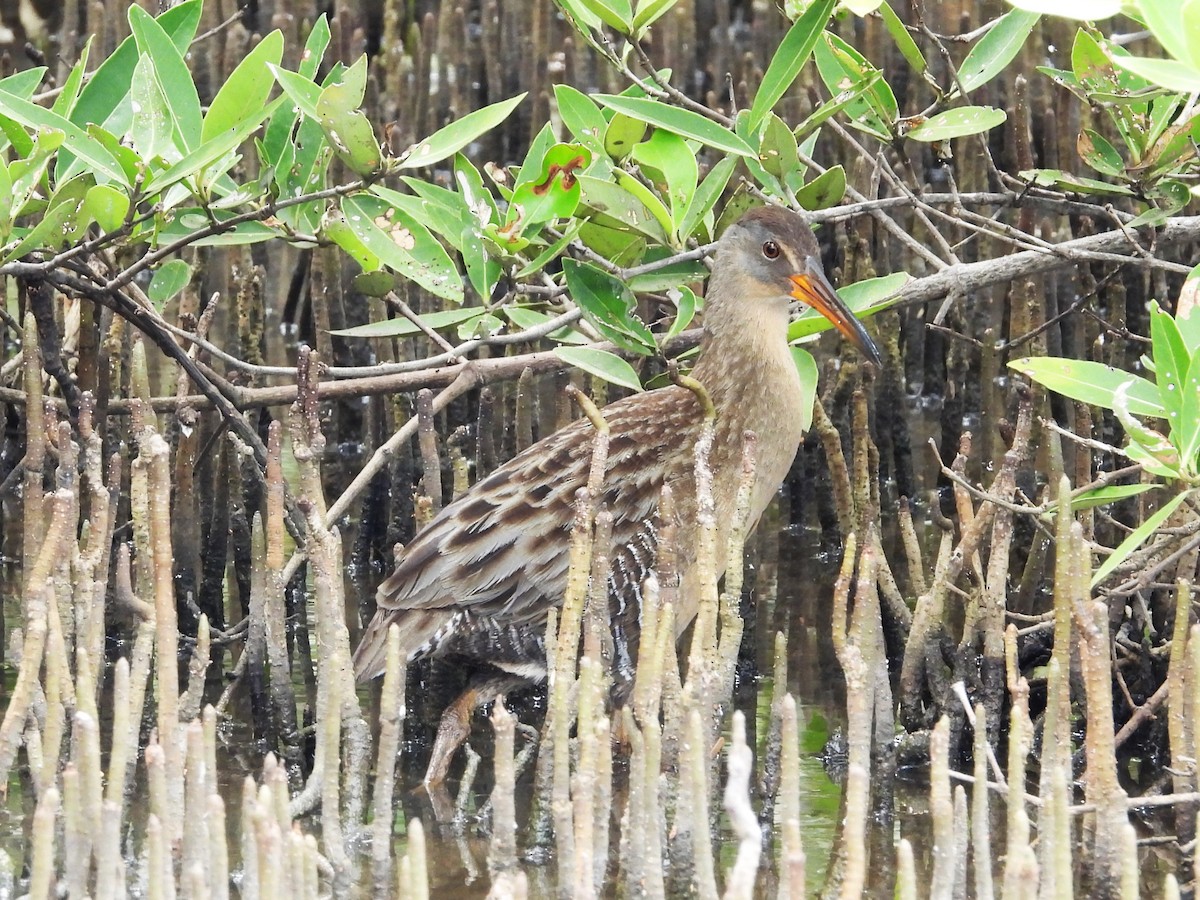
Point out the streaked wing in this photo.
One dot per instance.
(498, 550)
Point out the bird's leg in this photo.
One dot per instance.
(452, 731)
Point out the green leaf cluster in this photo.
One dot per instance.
(131, 158)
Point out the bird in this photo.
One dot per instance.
(475, 586)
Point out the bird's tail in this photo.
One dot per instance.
(417, 627)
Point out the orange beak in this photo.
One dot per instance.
(813, 288)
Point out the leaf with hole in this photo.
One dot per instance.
(553, 195)
(403, 244)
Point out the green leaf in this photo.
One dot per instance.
(183, 102)
(996, 49)
(623, 210)
(26, 173)
(1146, 445)
(617, 14)
(152, 133)
(1191, 30)
(670, 164)
(601, 364)
(403, 244)
(793, 52)
(379, 283)
(65, 101)
(874, 109)
(686, 304)
(683, 122)
(1169, 73)
(7, 212)
(622, 135)
(1103, 496)
(1165, 20)
(238, 235)
(834, 105)
(1189, 322)
(532, 167)
(211, 151)
(106, 205)
(581, 116)
(1171, 362)
(609, 305)
(77, 141)
(669, 277)
(647, 198)
(478, 199)
(1085, 10)
(904, 42)
(169, 279)
(824, 191)
(1138, 537)
(1096, 150)
(346, 128)
(778, 152)
(63, 221)
(109, 84)
(1185, 431)
(303, 92)
(555, 195)
(806, 367)
(246, 90)
(402, 327)
(1092, 382)
(619, 246)
(449, 140)
(23, 84)
(551, 251)
(958, 122)
(1077, 184)
(706, 197)
(648, 12)
(525, 318)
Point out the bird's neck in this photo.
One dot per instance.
(745, 359)
(747, 369)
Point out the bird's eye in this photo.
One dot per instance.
(770, 250)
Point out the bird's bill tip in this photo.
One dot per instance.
(813, 289)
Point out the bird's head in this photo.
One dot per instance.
(770, 257)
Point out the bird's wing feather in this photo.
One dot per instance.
(499, 550)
